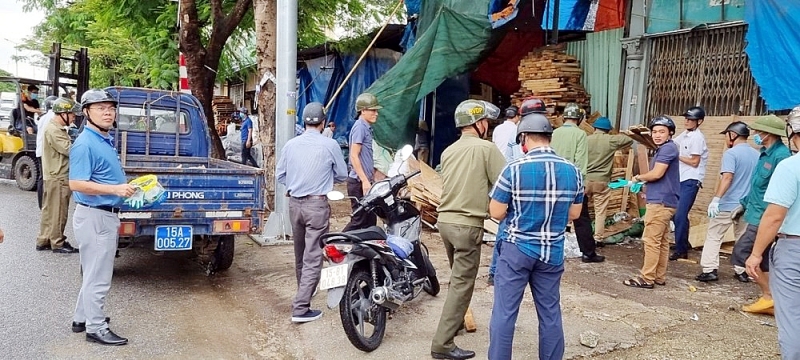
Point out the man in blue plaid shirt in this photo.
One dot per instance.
(537, 195)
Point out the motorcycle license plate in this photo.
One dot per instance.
(173, 238)
(333, 277)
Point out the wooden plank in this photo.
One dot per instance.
(628, 175)
(644, 166)
(469, 321)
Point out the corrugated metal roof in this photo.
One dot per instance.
(600, 56)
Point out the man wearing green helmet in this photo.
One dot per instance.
(768, 131)
(470, 167)
(55, 172)
(569, 142)
(362, 162)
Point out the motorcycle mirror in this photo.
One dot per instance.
(335, 195)
(406, 151)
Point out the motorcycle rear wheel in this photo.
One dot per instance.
(360, 315)
(431, 284)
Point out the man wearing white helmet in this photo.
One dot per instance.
(308, 166)
(781, 223)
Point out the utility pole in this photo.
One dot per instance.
(278, 226)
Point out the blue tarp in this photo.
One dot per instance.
(319, 84)
(571, 14)
(772, 44)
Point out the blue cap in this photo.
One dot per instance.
(602, 123)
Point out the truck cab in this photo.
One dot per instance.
(208, 202)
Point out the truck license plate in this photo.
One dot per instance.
(173, 238)
(333, 277)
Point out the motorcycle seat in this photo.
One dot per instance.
(370, 233)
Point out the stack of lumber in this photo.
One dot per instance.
(641, 134)
(223, 108)
(552, 75)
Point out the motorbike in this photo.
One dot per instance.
(373, 271)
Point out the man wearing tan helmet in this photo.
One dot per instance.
(781, 223)
(362, 163)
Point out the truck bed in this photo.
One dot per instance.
(199, 190)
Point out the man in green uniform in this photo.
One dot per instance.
(470, 166)
(569, 142)
(601, 148)
(55, 168)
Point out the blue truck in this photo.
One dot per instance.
(209, 201)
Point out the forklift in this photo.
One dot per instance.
(68, 72)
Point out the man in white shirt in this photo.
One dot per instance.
(693, 159)
(43, 121)
(505, 134)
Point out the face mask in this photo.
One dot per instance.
(758, 140)
(34, 96)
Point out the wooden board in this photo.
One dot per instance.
(697, 235)
(469, 321)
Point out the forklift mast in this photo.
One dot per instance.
(66, 70)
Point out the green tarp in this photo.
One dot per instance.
(455, 35)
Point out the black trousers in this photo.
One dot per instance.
(39, 182)
(583, 230)
(247, 156)
(363, 219)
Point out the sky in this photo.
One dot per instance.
(15, 24)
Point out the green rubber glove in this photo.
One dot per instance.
(619, 183)
(637, 187)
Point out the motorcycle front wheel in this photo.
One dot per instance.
(431, 284)
(364, 322)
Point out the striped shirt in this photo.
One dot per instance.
(309, 165)
(539, 189)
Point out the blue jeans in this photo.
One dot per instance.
(688, 194)
(501, 228)
(515, 271)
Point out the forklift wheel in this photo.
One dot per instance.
(26, 173)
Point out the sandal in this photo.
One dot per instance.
(638, 282)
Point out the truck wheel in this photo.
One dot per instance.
(223, 255)
(26, 172)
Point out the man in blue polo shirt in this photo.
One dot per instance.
(362, 163)
(538, 194)
(247, 138)
(98, 180)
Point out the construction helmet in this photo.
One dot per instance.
(511, 112)
(472, 111)
(94, 96)
(313, 114)
(602, 123)
(770, 124)
(695, 113)
(573, 112)
(64, 105)
(48, 102)
(533, 124)
(738, 128)
(532, 106)
(662, 120)
(793, 120)
(367, 101)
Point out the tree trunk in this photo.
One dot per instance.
(265, 12)
(202, 61)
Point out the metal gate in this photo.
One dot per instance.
(707, 67)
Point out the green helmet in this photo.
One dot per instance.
(64, 105)
(367, 101)
(770, 124)
(573, 112)
(472, 111)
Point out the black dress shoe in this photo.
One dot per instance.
(742, 277)
(66, 249)
(593, 258)
(42, 247)
(457, 353)
(708, 276)
(78, 327)
(676, 255)
(106, 337)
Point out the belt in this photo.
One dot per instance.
(788, 237)
(110, 209)
(310, 197)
